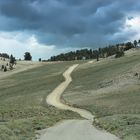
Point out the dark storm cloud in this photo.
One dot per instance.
(83, 23)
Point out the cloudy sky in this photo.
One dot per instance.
(48, 27)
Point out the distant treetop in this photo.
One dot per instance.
(4, 55)
(84, 54)
(27, 56)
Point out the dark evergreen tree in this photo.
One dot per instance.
(39, 59)
(128, 46)
(5, 69)
(27, 56)
(135, 43)
(139, 42)
(2, 67)
(12, 62)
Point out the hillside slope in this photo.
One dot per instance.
(72, 129)
(110, 89)
(23, 109)
(19, 67)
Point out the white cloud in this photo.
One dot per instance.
(18, 43)
(129, 32)
(133, 25)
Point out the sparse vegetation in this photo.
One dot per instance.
(26, 128)
(23, 109)
(8, 62)
(119, 54)
(110, 90)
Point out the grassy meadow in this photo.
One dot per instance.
(23, 109)
(111, 91)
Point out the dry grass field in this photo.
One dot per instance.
(23, 109)
(110, 89)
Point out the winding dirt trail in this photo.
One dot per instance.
(72, 129)
(54, 98)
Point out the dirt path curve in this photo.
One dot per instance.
(54, 98)
(72, 129)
